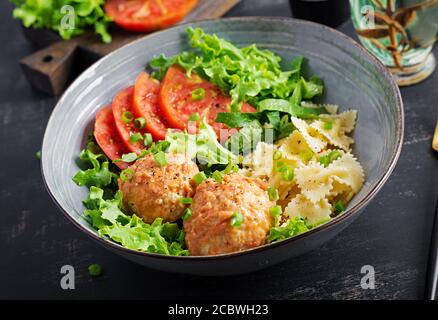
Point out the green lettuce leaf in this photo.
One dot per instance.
(287, 230)
(203, 146)
(246, 139)
(247, 74)
(130, 231)
(53, 14)
(99, 173)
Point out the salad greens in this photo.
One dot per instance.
(247, 74)
(288, 229)
(104, 210)
(69, 18)
(203, 146)
(97, 168)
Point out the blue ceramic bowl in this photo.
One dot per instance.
(353, 79)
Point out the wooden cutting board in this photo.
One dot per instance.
(54, 67)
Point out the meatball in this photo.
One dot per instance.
(209, 230)
(155, 191)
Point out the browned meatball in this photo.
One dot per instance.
(209, 230)
(155, 191)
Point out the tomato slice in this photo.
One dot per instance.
(147, 15)
(123, 103)
(146, 105)
(108, 138)
(177, 104)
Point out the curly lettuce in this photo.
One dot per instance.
(104, 210)
(130, 231)
(288, 229)
(203, 146)
(53, 14)
(247, 74)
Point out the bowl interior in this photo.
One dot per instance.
(353, 79)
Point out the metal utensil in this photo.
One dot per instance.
(432, 275)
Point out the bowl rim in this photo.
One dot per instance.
(338, 219)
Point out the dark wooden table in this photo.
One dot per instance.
(36, 239)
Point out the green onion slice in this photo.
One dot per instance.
(95, 270)
(236, 219)
(136, 137)
(198, 94)
(140, 123)
(127, 174)
(187, 214)
(186, 200)
(273, 194)
(276, 212)
(127, 117)
(199, 177)
(160, 158)
(194, 117)
(339, 207)
(287, 174)
(147, 140)
(217, 176)
(328, 125)
(277, 155)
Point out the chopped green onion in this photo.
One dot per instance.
(143, 154)
(147, 140)
(136, 137)
(38, 155)
(335, 154)
(277, 155)
(280, 166)
(186, 200)
(187, 214)
(217, 176)
(329, 158)
(328, 125)
(129, 157)
(163, 145)
(198, 94)
(231, 167)
(306, 155)
(194, 117)
(160, 158)
(95, 270)
(273, 194)
(127, 174)
(236, 219)
(199, 177)
(287, 174)
(140, 123)
(127, 117)
(276, 212)
(339, 207)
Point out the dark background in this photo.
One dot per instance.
(392, 234)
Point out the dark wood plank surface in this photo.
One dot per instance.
(392, 234)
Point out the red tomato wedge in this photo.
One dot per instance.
(147, 15)
(122, 103)
(177, 104)
(145, 104)
(107, 136)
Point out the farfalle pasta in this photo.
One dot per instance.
(326, 175)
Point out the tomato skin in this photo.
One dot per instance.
(122, 102)
(176, 103)
(145, 104)
(147, 15)
(107, 136)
